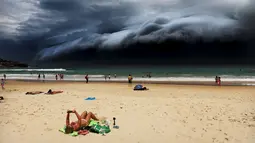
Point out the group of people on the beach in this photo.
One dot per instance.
(109, 76)
(61, 76)
(39, 76)
(147, 75)
(130, 78)
(218, 80)
(57, 76)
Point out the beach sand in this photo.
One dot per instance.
(163, 114)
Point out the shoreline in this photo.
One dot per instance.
(195, 83)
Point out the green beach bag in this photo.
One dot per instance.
(100, 129)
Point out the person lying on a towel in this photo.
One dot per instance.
(34, 92)
(83, 121)
(53, 92)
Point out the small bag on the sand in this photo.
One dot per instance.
(100, 129)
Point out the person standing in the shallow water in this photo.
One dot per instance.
(130, 78)
(39, 76)
(216, 79)
(4, 77)
(43, 77)
(149, 75)
(2, 84)
(105, 77)
(109, 76)
(87, 78)
(219, 81)
(56, 77)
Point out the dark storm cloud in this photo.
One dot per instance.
(63, 27)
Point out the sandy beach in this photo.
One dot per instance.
(164, 114)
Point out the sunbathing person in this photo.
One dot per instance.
(1, 98)
(34, 92)
(83, 121)
(53, 92)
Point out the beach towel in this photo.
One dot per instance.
(74, 134)
(92, 123)
(90, 98)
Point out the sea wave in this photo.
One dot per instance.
(99, 77)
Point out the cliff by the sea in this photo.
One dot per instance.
(10, 64)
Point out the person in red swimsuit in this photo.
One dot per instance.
(87, 78)
(83, 120)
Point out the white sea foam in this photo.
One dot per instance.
(245, 80)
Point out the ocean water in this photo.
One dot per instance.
(231, 74)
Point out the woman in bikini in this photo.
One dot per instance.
(34, 92)
(53, 92)
(83, 121)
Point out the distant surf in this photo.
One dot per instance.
(242, 81)
(176, 75)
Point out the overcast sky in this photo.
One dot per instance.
(42, 29)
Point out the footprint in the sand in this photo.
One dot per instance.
(193, 129)
(251, 125)
(48, 129)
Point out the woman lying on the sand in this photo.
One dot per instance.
(53, 92)
(34, 92)
(83, 121)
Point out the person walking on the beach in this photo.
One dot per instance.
(130, 78)
(56, 77)
(219, 81)
(216, 79)
(2, 84)
(149, 75)
(61, 76)
(4, 77)
(43, 77)
(39, 76)
(87, 78)
(83, 120)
